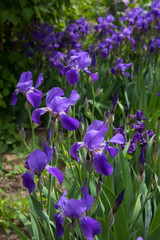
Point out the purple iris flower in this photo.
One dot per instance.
(78, 62)
(57, 105)
(94, 142)
(76, 209)
(36, 163)
(121, 67)
(138, 115)
(25, 86)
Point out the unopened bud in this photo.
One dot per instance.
(154, 181)
(53, 125)
(21, 131)
(55, 153)
(49, 135)
(118, 201)
(99, 186)
(40, 183)
(110, 218)
(86, 104)
(60, 134)
(140, 179)
(89, 164)
(28, 106)
(69, 112)
(81, 125)
(72, 225)
(156, 154)
(98, 91)
(114, 103)
(141, 161)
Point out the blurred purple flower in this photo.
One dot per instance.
(76, 209)
(121, 67)
(138, 115)
(57, 105)
(94, 142)
(36, 163)
(25, 86)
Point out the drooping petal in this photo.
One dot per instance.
(28, 181)
(101, 165)
(94, 76)
(61, 202)
(56, 173)
(56, 91)
(118, 138)
(37, 160)
(89, 199)
(74, 208)
(93, 139)
(37, 113)
(72, 76)
(98, 125)
(14, 98)
(59, 219)
(69, 123)
(40, 80)
(76, 147)
(59, 104)
(113, 151)
(48, 151)
(25, 77)
(90, 227)
(34, 97)
(73, 97)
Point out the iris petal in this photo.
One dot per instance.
(59, 219)
(69, 123)
(28, 181)
(56, 173)
(101, 165)
(37, 113)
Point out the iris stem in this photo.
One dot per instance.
(33, 135)
(92, 88)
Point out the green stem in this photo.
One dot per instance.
(93, 102)
(69, 158)
(41, 198)
(33, 135)
(108, 233)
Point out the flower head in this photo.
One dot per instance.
(57, 105)
(75, 209)
(94, 142)
(36, 163)
(25, 86)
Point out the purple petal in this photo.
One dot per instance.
(37, 160)
(56, 173)
(76, 147)
(59, 104)
(94, 76)
(101, 165)
(26, 86)
(40, 80)
(59, 219)
(61, 202)
(73, 97)
(113, 151)
(89, 199)
(37, 113)
(34, 97)
(93, 139)
(127, 75)
(28, 181)
(56, 91)
(25, 77)
(90, 227)
(69, 123)
(84, 60)
(14, 98)
(74, 208)
(118, 138)
(48, 151)
(72, 76)
(98, 125)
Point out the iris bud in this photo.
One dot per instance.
(21, 131)
(99, 186)
(89, 164)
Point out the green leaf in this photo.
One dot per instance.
(105, 228)
(39, 210)
(44, 9)
(18, 232)
(26, 223)
(155, 234)
(155, 221)
(27, 13)
(120, 223)
(2, 103)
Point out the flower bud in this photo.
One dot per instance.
(40, 183)
(140, 179)
(28, 106)
(89, 164)
(55, 153)
(110, 218)
(99, 186)
(72, 225)
(81, 125)
(118, 201)
(141, 161)
(114, 103)
(156, 154)
(53, 125)
(21, 131)
(98, 91)
(69, 112)
(86, 104)
(154, 181)
(49, 135)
